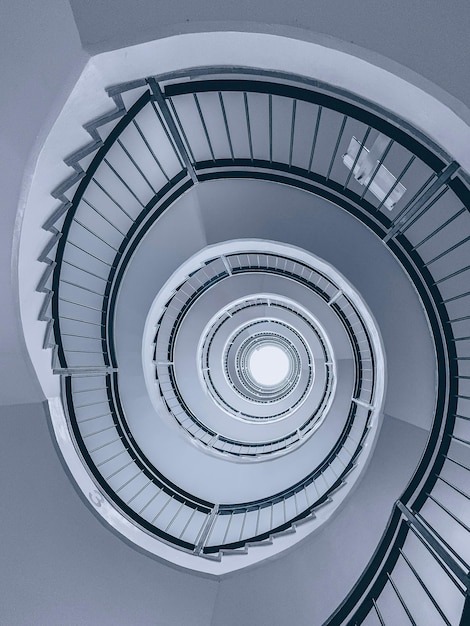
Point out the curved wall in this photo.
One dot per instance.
(41, 58)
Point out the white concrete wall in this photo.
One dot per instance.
(426, 36)
(40, 59)
(59, 564)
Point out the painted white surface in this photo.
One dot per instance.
(405, 37)
(60, 565)
(40, 59)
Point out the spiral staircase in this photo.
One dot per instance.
(152, 324)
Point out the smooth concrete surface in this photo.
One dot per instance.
(40, 59)
(59, 565)
(305, 586)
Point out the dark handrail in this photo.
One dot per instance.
(438, 443)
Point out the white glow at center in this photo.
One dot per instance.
(268, 365)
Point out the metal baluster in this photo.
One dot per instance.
(162, 509)
(139, 492)
(135, 164)
(452, 275)
(439, 228)
(82, 406)
(243, 526)
(89, 253)
(418, 215)
(87, 202)
(338, 140)
(90, 419)
(128, 481)
(155, 495)
(291, 147)
(379, 615)
(174, 517)
(121, 468)
(85, 306)
(227, 130)
(362, 145)
(402, 173)
(106, 192)
(248, 125)
(204, 127)
(270, 112)
(121, 179)
(377, 167)
(72, 284)
(428, 593)
(257, 520)
(315, 136)
(400, 598)
(144, 139)
(187, 523)
(458, 463)
(452, 515)
(82, 269)
(103, 445)
(227, 528)
(74, 319)
(77, 221)
(82, 337)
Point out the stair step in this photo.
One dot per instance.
(232, 551)
(212, 557)
(320, 506)
(282, 533)
(304, 520)
(264, 542)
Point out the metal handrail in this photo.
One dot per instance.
(324, 96)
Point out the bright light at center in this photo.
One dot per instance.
(268, 365)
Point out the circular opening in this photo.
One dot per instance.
(269, 365)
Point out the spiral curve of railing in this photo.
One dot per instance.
(363, 167)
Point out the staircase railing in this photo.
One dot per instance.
(189, 131)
